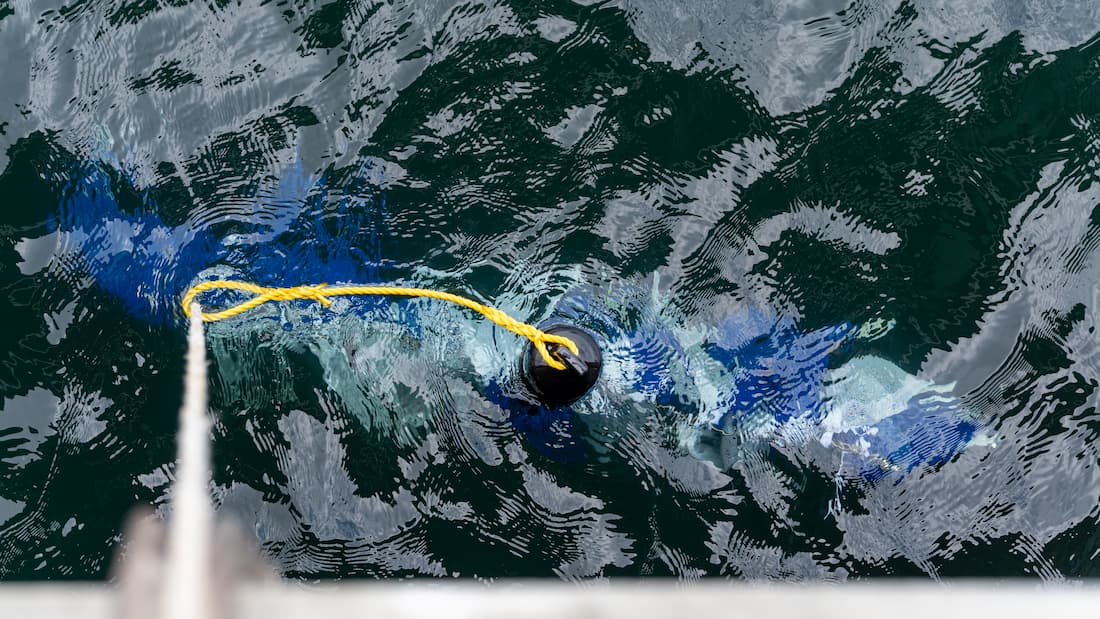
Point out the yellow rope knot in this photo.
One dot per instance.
(321, 293)
(315, 293)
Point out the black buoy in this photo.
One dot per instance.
(555, 387)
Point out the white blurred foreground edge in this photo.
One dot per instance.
(198, 568)
(628, 599)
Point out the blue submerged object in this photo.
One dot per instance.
(305, 229)
(758, 377)
(797, 384)
(553, 431)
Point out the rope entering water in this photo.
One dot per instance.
(322, 293)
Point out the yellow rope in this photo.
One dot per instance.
(322, 292)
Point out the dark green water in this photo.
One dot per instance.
(928, 167)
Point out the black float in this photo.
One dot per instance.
(555, 387)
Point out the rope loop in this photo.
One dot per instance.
(322, 294)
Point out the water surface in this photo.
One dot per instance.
(924, 167)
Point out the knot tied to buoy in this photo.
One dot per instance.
(554, 387)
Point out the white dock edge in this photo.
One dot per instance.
(175, 574)
(622, 600)
(669, 599)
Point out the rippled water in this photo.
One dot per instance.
(842, 258)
